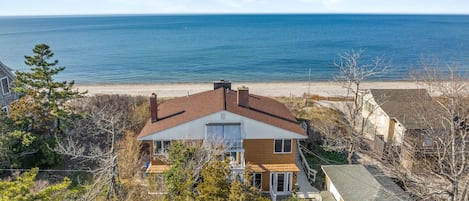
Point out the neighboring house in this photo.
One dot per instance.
(398, 118)
(356, 183)
(261, 131)
(6, 80)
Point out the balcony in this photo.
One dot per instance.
(420, 145)
(236, 160)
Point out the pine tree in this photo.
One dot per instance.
(41, 109)
(215, 184)
(43, 98)
(244, 191)
(21, 189)
(179, 178)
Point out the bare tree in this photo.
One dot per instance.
(352, 72)
(93, 141)
(448, 129)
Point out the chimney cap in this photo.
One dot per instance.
(222, 83)
(243, 88)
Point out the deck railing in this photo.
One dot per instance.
(310, 173)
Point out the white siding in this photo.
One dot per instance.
(377, 117)
(196, 129)
(398, 133)
(333, 190)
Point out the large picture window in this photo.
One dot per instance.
(161, 147)
(227, 134)
(282, 146)
(5, 85)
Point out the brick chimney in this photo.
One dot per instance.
(222, 83)
(153, 108)
(243, 96)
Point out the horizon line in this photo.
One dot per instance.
(260, 13)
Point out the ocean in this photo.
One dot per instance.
(250, 48)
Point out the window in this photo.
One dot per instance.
(368, 107)
(5, 85)
(233, 157)
(257, 180)
(280, 182)
(427, 141)
(161, 147)
(282, 146)
(228, 134)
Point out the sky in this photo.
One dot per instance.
(91, 7)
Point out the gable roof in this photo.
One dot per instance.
(7, 70)
(184, 109)
(409, 106)
(355, 183)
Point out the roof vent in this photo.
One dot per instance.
(222, 83)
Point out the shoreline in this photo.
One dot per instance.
(326, 88)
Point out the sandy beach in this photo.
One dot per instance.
(328, 89)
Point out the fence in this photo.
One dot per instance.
(310, 173)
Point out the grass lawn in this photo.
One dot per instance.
(322, 157)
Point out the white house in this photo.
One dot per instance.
(399, 118)
(393, 112)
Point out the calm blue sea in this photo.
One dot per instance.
(203, 48)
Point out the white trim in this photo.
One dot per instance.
(250, 129)
(287, 183)
(254, 179)
(283, 146)
(162, 147)
(8, 83)
(7, 70)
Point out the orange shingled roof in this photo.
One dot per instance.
(184, 109)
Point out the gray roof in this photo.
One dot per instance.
(408, 106)
(355, 183)
(387, 183)
(7, 70)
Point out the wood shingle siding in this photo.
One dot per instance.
(262, 152)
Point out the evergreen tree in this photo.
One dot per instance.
(244, 191)
(22, 189)
(43, 98)
(179, 178)
(39, 112)
(215, 184)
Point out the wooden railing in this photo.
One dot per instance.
(416, 147)
(310, 173)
